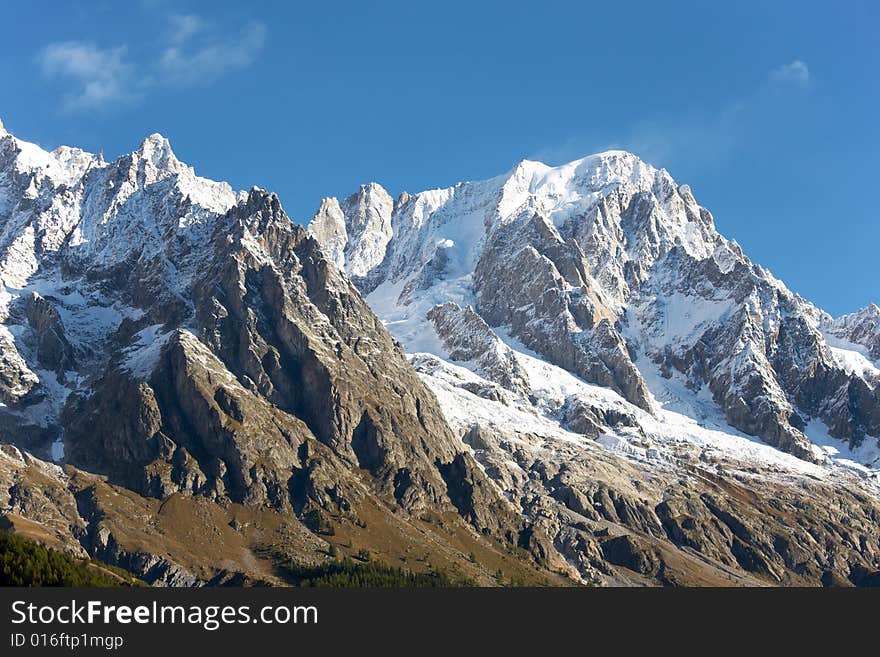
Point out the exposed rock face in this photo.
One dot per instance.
(540, 288)
(625, 523)
(469, 338)
(289, 354)
(860, 328)
(354, 235)
(53, 351)
(631, 553)
(37, 491)
(16, 378)
(328, 227)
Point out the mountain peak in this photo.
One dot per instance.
(871, 311)
(258, 197)
(328, 227)
(616, 163)
(354, 233)
(157, 150)
(528, 168)
(371, 193)
(156, 139)
(598, 170)
(373, 187)
(617, 153)
(262, 205)
(2, 129)
(329, 204)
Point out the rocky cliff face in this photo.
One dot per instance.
(861, 328)
(355, 234)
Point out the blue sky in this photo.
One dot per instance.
(768, 110)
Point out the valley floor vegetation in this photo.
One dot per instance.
(26, 563)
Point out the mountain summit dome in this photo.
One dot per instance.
(609, 269)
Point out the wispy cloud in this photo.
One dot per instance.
(183, 26)
(209, 60)
(96, 76)
(795, 73)
(195, 52)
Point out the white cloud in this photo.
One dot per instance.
(213, 59)
(794, 73)
(184, 26)
(98, 76)
(195, 54)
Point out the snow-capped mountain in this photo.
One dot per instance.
(588, 372)
(861, 334)
(609, 270)
(167, 338)
(69, 220)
